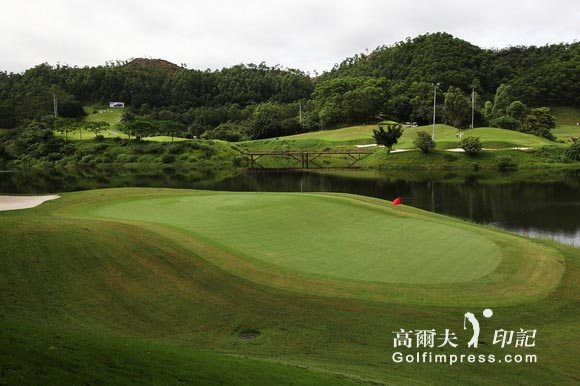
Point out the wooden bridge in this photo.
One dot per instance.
(305, 158)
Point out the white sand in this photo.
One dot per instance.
(23, 202)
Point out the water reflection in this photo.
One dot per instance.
(519, 203)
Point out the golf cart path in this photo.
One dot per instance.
(454, 150)
(23, 202)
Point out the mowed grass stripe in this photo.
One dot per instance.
(323, 235)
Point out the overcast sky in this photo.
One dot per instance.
(305, 34)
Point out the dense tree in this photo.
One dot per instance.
(273, 119)
(422, 102)
(456, 107)
(233, 132)
(349, 100)
(540, 122)
(388, 138)
(517, 110)
(503, 98)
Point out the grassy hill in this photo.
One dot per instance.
(446, 137)
(149, 286)
(567, 119)
(113, 118)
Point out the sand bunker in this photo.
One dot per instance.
(23, 202)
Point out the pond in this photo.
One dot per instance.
(545, 204)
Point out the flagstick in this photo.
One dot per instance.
(402, 225)
(397, 201)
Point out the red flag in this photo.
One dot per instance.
(397, 201)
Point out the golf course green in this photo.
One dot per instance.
(162, 286)
(323, 235)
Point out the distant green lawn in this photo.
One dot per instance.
(445, 136)
(109, 115)
(567, 132)
(113, 118)
(164, 138)
(566, 115)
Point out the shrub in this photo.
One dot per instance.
(99, 138)
(450, 157)
(424, 141)
(505, 162)
(471, 145)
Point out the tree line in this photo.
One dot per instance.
(258, 101)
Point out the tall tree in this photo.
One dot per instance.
(456, 107)
(388, 138)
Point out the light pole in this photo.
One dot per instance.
(434, 107)
(55, 105)
(473, 108)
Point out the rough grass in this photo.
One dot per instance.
(86, 300)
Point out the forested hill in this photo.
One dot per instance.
(258, 101)
(547, 75)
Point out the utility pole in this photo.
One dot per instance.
(55, 105)
(473, 107)
(434, 107)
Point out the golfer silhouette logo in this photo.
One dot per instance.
(474, 325)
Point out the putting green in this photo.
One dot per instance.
(333, 236)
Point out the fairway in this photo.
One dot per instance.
(323, 235)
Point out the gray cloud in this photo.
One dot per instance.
(310, 35)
